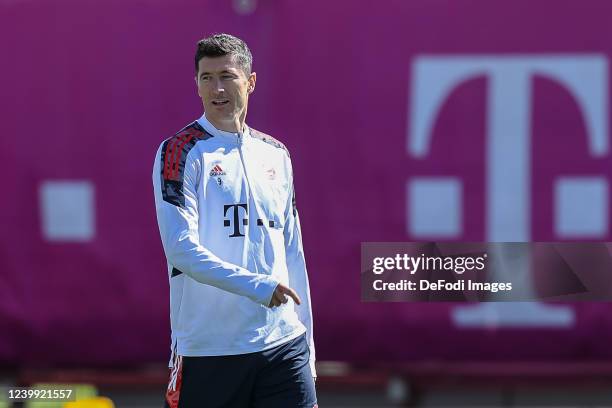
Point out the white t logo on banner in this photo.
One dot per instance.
(508, 164)
(67, 210)
(508, 137)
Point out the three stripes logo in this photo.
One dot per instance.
(176, 150)
(217, 171)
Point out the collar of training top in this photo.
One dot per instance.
(222, 134)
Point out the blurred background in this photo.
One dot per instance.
(415, 120)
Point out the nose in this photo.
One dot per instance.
(218, 85)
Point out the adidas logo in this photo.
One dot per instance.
(217, 171)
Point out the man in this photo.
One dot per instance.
(239, 298)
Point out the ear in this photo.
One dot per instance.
(252, 80)
(197, 85)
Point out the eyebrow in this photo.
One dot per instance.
(222, 72)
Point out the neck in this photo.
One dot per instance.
(235, 125)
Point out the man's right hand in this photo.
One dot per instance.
(280, 296)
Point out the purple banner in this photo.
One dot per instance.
(418, 120)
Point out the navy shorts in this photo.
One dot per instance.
(276, 378)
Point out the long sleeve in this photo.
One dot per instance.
(298, 276)
(177, 216)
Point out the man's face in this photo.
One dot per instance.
(224, 88)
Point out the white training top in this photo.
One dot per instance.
(230, 231)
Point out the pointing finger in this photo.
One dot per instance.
(294, 296)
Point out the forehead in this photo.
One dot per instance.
(218, 64)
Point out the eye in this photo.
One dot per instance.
(205, 77)
(227, 77)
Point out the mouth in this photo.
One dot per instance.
(220, 102)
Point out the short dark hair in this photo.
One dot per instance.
(219, 45)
